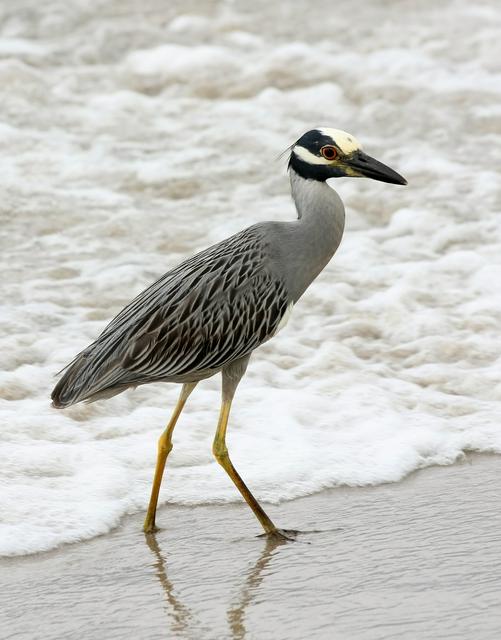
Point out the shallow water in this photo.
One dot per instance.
(134, 135)
(411, 561)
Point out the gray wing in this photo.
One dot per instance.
(210, 310)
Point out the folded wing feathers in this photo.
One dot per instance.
(211, 309)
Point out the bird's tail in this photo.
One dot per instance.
(69, 389)
(86, 379)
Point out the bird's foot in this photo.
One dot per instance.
(280, 535)
(150, 527)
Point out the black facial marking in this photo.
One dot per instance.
(321, 172)
(313, 141)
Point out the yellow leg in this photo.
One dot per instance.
(164, 448)
(220, 452)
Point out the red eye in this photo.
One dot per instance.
(328, 152)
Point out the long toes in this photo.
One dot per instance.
(281, 535)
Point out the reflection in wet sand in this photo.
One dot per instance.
(236, 614)
(175, 608)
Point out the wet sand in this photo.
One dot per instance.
(416, 559)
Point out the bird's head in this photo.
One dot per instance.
(321, 154)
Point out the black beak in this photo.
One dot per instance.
(372, 168)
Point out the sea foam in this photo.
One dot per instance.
(127, 145)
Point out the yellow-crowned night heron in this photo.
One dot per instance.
(210, 312)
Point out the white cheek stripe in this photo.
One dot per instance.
(309, 157)
(345, 141)
(285, 318)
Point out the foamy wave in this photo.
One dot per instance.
(121, 155)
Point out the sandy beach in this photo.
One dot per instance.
(419, 559)
(135, 134)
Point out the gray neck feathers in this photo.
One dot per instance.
(316, 234)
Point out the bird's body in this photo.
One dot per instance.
(214, 307)
(210, 312)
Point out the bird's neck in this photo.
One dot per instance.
(311, 196)
(319, 228)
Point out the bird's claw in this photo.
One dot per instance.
(280, 535)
